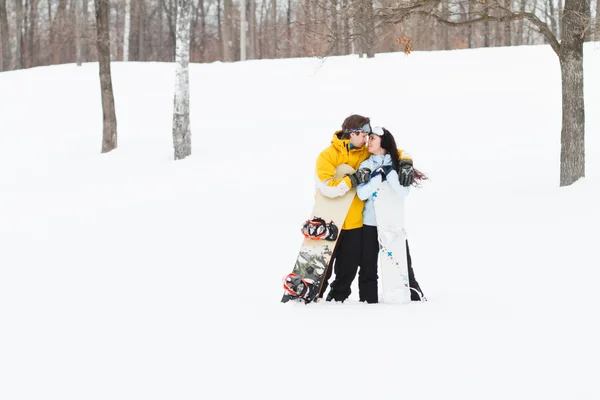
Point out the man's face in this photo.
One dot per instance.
(358, 139)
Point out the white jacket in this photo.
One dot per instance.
(365, 190)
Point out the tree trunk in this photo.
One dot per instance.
(345, 28)
(220, 31)
(227, 31)
(486, 27)
(85, 49)
(572, 154)
(76, 5)
(588, 14)
(243, 30)
(5, 38)
(306, 28)
(142, 30)
(126, 30)
(288, 35)
(369, 23)
(597, 30)
(24, 35)
(19, 34)
(48, 55)
(32, 36)
(159, 45)
(115, 42)
(134, 37)
(445, 39)
(469, 26)
(252, 53)
(273, 40)
(194, 12)
(109, 131)
(560, 17)
(261, 27)
(58, 28)
(507, 30)
(521, 28)
(552, 13)
(362, 27)
(182, 137)
(202, 30)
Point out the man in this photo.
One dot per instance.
(347, 147)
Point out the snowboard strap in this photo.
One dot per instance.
(297, 288)
(318, 229)
(295, 285)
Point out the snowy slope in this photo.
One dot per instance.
(131, 276)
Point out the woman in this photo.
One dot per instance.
(387, 163)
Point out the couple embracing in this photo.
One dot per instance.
(358, 246)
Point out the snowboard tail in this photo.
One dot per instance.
(310, 268)
(393, 265)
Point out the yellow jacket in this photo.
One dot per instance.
(337, 154)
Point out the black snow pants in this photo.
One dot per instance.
(345, 259)
(367, 276)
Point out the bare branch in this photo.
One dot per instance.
(507, 17)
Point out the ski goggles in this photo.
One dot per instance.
(378, 131)
(365, 128)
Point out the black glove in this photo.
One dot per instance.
(406, 173)
(383, 171)
(360, 176)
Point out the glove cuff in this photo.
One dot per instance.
(353, 180)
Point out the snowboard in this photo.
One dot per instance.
(393, 267)
(314, 256)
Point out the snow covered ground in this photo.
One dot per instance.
(130, 276)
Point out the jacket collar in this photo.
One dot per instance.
(342, 144)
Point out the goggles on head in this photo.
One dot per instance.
(378, 131)
(365, 128)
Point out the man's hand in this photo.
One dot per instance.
(360, 176)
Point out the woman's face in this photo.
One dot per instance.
(375, 145)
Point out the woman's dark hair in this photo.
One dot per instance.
(354, 121)
(388, 143)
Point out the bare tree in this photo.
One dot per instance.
(507, 30)
(273, 40)
(243, 31)
(335, 29)
(182, 137)
(142, 30)
(5, 38)
(109, 127)
(368, 28)
(19, 34)
(32, 33)
(227, 30)
(126, 30)
(553, 17)
(597, 30)
(445, 37)
(570, 54)
(57, 31)
(252, 52)
(85, 53)
(77, 31)
(346, 26)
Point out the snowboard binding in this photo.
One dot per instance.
(318, 229)
(298, 288)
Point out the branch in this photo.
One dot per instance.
(509, 16)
